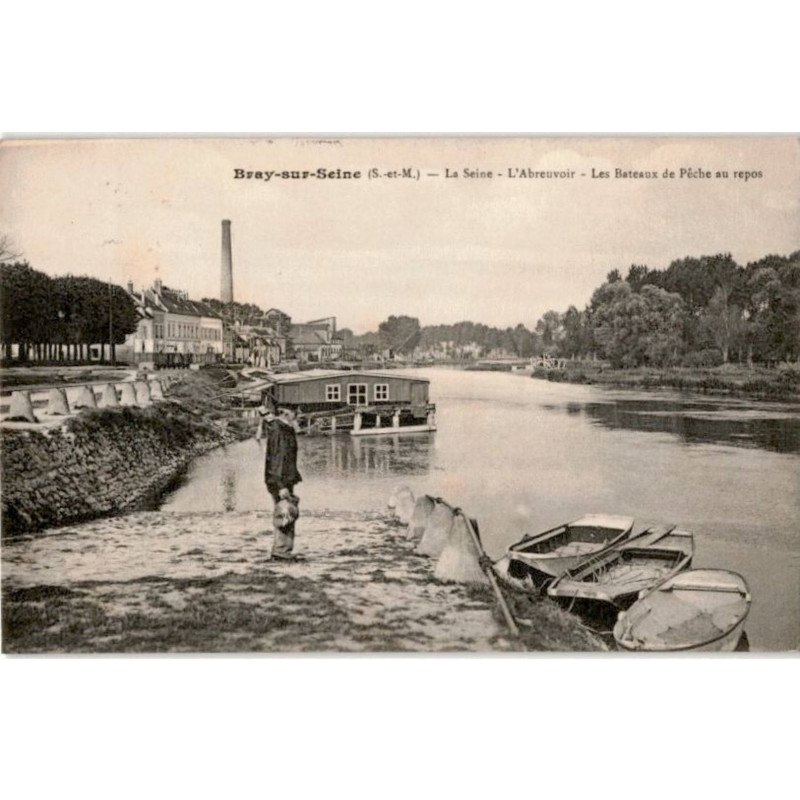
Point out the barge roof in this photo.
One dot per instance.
(324, 374)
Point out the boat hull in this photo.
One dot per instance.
(725, 644)
(703, 610)
(392, 431)
(501, 569)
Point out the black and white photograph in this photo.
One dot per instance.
(414, 394)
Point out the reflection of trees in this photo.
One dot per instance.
(343, 456)
(696, 425)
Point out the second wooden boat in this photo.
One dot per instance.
(615, 576)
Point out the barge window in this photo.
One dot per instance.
(333, 391)
(357, 394)
(381, 391)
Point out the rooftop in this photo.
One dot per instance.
(324, 374)
(175, 302)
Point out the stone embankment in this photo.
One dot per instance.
(105, 461)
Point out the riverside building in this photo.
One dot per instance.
(173, 329)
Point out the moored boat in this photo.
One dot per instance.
(697, 610)
(539, 558)
(615, 577)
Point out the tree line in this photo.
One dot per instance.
(59, 318)
(246, 314)
(698, 311)
(403, 334)
(701, 311)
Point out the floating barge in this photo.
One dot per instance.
(365, 403)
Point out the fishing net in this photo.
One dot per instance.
(576, 549)
(423, 508)
(437, 531)
(630, 574)
(460, 558)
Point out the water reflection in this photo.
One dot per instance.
(340, 456)
(229, 488)
(696, 422)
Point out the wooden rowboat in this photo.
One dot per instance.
(539, 558)
(615, 577)
(698, 610)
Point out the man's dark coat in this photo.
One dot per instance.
(280, 466)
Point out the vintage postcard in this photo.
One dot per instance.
(400, 395)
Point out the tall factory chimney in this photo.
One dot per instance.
(226, 277)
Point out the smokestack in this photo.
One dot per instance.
(226, 277)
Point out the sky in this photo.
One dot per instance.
(499, 251)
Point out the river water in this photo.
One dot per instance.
(523, 455)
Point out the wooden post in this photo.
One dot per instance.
(506, 611)
(396, 419)
(377, 420)
(333, 424)
(357, 421)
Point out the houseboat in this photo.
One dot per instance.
(365, 403)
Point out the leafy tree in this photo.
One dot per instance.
(696, 279)
(638, 275)
(8, 254)
(400, 334)
(634, 328)
(773, 288)
(725, 322)
(25, 299)
(576, 339)
(551, 330)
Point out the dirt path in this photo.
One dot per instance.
(156, 581)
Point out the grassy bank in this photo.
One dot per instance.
(162, 582)
(760, 383)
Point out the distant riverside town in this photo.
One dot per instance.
(707, 311)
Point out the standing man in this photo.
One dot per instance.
(281, 476)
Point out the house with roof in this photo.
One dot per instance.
(170, 322)
(316, 341)
(259, 339)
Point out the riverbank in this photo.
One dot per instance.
(107, 461)
(203, 583)
(757, 383)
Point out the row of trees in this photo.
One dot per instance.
(697, 311)
(247, 314)
(403, 334)
(60, 318)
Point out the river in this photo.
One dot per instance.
(524, 454)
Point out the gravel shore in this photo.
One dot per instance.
(154, 582)
(203, 582)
